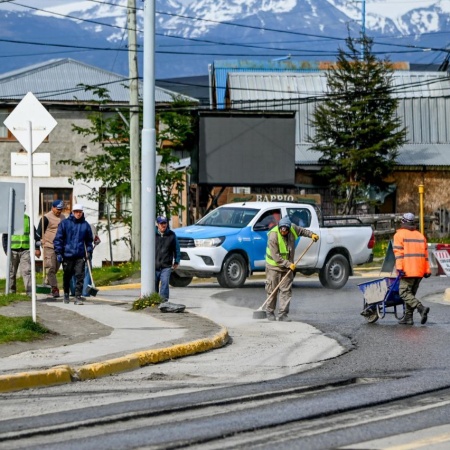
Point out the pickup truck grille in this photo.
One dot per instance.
(186, 242)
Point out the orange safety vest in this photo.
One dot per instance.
(411, 252)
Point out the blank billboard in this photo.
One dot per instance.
(246, 149)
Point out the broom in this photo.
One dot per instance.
(90, 287)
(261, 313)
(43, 288)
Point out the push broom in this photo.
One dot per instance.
(261, 313)
(91, 289)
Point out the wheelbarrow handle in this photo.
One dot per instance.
(284, 278)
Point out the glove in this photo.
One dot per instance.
(59, 258)
(292, 267)
(89, 256)
(427, 275)
(401, 273)
(315, 237)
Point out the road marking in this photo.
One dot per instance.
(422, 443)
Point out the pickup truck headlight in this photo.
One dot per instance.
(211, 242)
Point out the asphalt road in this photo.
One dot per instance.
(391, 380)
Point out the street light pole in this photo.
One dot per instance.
(148, 187)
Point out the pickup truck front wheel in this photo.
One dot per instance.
(177, 281)
(334, 274)
(233, 273)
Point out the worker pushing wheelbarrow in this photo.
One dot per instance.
(408, 254)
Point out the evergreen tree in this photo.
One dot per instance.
(356, 127)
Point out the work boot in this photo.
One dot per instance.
(55, 292)
(270, 316)
(408, 319)
(284, 318)
(423, 311)
(66, 298)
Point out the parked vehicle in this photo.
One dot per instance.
(230, 243)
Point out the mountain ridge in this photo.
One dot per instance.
(254, 29)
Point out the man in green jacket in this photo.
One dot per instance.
(20, 256)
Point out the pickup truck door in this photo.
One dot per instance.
(263, 225)
(303, 217)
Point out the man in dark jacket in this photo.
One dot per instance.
(73, 244)
(167, 256)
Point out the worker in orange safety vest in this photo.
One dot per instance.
(411, 261)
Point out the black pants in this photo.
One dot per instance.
(73, 267)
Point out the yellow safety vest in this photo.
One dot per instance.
(22, 241)
(284, 252)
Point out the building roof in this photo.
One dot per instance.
(59, 80)
(246, 88)
(195, 86)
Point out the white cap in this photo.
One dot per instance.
(77, 207)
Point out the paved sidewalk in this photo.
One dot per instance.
(137, 339)
(104, 336)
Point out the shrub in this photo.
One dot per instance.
(147, 301)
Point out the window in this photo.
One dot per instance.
(300, 216)
(118, 205)
(48, 195)
(5, 134)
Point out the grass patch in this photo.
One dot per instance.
(103, 276)
(21, 329)
(147, 301)
(6, 300)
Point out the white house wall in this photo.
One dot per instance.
(63, 143)
(102, 252)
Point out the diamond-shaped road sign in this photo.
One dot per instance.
(30, 109)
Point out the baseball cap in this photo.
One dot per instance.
(77, 207)
(161, 219)
(58, 204)
(408, 218)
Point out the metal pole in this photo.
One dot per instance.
(363, 29)
(421, 218)
(108, 216)
(134, 134)
(148, 150)
(10, 232)
(31, 214)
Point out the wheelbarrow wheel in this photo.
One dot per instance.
(370, 313)
(373, 317)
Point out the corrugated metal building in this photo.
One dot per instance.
(424, 107)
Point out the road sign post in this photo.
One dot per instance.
(30, 123)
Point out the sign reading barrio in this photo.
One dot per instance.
(312, 199)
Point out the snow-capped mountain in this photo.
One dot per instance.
(191, 34)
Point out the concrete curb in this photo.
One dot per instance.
(67, 374)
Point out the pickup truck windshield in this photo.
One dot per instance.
(228, 217)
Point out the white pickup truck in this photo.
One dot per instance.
(230, 243)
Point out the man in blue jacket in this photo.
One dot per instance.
(167, 256)
(73, 244)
